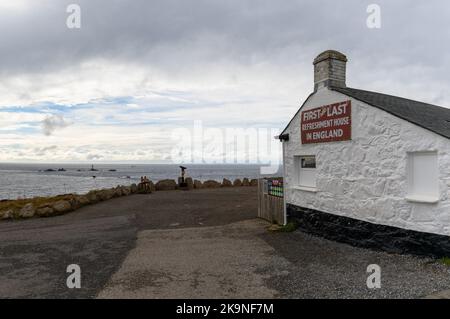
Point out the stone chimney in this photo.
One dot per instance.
(329, 69)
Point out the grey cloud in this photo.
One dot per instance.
(184, 34)
(52, 123)
(174, 33)
(94, 157)
(42, 151)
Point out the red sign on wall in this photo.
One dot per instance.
(328, 123)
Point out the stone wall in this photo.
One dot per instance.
(59, 205)
(62, 204)
(365, 178)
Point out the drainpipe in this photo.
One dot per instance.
(284, 183)
(283, 139)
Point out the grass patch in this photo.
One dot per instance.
(288, 228)
(446, 261)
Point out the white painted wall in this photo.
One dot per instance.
(365, 178)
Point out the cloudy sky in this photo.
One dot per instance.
(137, 70)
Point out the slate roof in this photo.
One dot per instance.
(431, 117)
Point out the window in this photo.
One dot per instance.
(423, 177)
(306, 171)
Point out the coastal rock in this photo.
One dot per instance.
(254, 182)
(105, 194)
(27, 211)
(7, 214)
(45, 211)
(117, 191)
(166, 185)
(126, 190)
(152, 187)
(198, 184)
(189, 182)
(226, 183)
(109, 193)
(74, 203)
(245, 182)
(62, 206)
(211, 184)
(82, 200)
(237, 182)
(101, 195)
(133, 188)
(92, 197)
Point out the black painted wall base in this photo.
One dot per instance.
(364, 234)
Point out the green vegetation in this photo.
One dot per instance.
(446, 261)
(288, 228)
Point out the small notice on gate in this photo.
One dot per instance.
(328, 123)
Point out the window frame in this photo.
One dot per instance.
(412, 192)
(310, 182)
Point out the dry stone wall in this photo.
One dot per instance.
(53, 206)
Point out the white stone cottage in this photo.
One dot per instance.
(367, 168)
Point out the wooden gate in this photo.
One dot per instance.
(270, 199)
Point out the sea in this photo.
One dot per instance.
(31, 180)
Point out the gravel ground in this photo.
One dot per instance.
(245, 260)
(35, 253)
(33, 260)
(207, 262)
(212, 227)
(320, 268)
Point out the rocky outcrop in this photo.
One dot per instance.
(245, 182)
(92, 197)
(108, 194)
(189, 182)
(133, 188)
(198, 184)
(27, 211)
(104, 194)
(61, 207)
(126, 190)
(82, 200)
(211, 184)
(226, 183)
(166, 185)
(118, 191)
(45, 211)
(254, 182)
(74, 203)
(237, 182)
(7, 214)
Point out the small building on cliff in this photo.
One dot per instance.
(367, 168)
